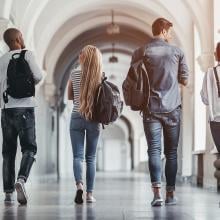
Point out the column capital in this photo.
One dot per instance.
(205, 61)
(50, 93)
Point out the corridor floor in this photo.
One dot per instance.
(119, 197)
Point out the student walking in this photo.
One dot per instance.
(18, 75)
(210, 95)
(165, 67)
(82, 88)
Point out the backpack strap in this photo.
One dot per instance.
(138, 55)
(104, 78)
(22, 54)
(15, 55)
(146, 109)
(217, 80)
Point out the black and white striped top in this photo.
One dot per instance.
(75, 78)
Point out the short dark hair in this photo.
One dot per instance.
(218, 51)
(160, 24)
(10, 35)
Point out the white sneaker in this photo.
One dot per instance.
(9, 198)
(90, 199)
(157, 201)
(21, 193)
(171, 200)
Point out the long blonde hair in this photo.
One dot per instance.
(90, 79)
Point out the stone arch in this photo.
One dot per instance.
(142, 12)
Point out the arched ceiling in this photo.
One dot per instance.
(40, 20)
(52, 35)
(78, 25)
(52, 27)
(125, 43)
(88, 26)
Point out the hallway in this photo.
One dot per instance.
(120, 196)
(56, 31)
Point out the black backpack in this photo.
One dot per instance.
(136, 86)
(107, 104)
(20, 80)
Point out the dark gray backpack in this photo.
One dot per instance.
(136, 86)
(107, 104)
(20, 80)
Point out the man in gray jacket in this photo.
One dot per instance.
(17, 118)
(166, 68)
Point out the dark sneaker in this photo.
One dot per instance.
(21, 193)
(9, 198)
(79, 196)
(157, 201)
(171, 200)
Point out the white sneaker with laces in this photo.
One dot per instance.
(9, 198)
(21, 192)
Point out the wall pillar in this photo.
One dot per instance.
(5, 8)
(4, 23)
(216, 6)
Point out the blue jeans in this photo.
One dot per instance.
(79, 129)
(153, 126)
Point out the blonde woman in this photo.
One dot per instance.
(81, 89)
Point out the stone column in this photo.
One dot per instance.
(50, 93)
(5, 8)
(4, 23)
(206, 60)
(216, 6)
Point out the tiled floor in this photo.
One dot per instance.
(119, 197)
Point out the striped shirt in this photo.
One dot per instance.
(75, 77)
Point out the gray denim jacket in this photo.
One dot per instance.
(166, 66)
